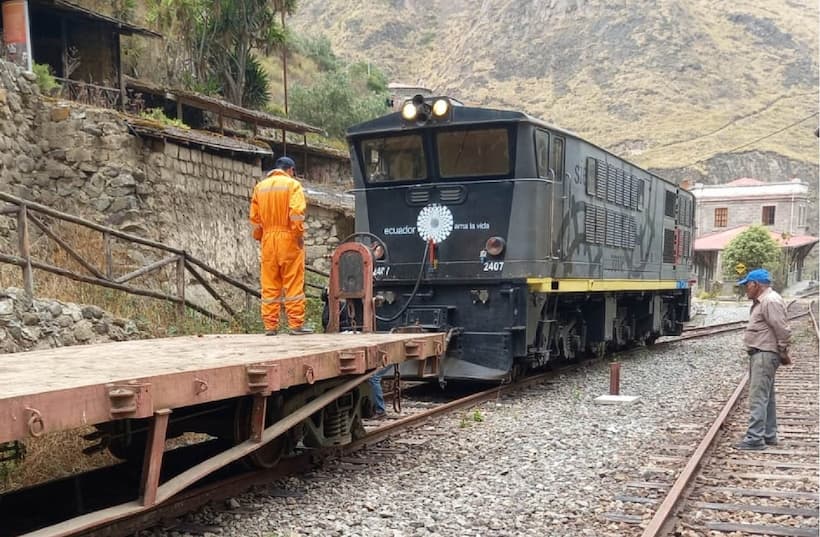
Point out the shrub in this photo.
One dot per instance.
(45, 78)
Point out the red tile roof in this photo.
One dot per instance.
(720, 239)
(745, 181)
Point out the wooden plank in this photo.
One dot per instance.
(760, 477)
(620, 517)
(760, 529)
(636, 499)
(210, 289)
(772, 464)
(24, 246)
(146, 269)
(764, 493)
(14, 260)
(766, 509)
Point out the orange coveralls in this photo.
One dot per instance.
(278, 216)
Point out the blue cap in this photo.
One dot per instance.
(757, 275)
(285, 163)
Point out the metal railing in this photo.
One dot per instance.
(28, 212)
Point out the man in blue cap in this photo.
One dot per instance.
(767, 339)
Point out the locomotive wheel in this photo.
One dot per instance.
(271, 453)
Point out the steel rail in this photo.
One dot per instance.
(666, 509)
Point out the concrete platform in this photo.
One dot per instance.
(617, 399)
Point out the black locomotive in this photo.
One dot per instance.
(525, 241)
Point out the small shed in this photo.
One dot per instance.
(82, 46)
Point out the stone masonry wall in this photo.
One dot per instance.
(85, 161)
(43, 324)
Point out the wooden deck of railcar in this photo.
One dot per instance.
(62, 388)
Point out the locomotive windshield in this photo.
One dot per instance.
(473, 153)
(395, 158)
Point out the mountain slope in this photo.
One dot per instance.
(667, 84)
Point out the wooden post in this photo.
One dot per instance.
(25, 250)
(181, 286)
(152, 464)
(109, 257)
(120, 78)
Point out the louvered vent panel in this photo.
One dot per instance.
(600, 225)
(451, 194)
(668, 245)
(619, 187)
(418, 196)
(601, 179)
(611, 184)
(589, 223)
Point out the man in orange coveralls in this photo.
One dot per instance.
(278, 219)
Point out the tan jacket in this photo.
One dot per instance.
(768, 328)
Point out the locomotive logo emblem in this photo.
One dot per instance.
(435, 222)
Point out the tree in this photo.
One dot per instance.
(754, 248)
(221, 37)
(341, 98)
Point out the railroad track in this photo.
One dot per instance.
(723, 491)
(415, 414)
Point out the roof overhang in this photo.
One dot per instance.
(81, 12)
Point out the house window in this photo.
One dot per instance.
(721, 217)
(768, 215)
(801, 218)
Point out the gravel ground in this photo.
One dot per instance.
(547, 461)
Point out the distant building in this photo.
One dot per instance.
(725, 211)
(781, 206)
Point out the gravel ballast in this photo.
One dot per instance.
(545, 461)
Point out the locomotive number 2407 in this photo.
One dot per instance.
(493, 266)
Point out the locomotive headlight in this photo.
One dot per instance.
(409, 111)
(378, 251)
(440, 107)
(495, 245)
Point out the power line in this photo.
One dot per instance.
(787, 127)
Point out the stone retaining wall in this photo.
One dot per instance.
(86, 162)
(44, 324)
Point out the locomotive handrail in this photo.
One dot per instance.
(22, 209)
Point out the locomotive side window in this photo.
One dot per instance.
(468, 153)
(396, 158)
(558, 157)
(542, 153)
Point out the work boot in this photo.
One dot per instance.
(748, 446)
(300, 331)
(771, 441)
(271, 332)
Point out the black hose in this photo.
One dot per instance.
(412, 293)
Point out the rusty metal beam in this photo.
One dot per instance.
(192, 475)
(152, 464)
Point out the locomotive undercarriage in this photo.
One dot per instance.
(503, 329)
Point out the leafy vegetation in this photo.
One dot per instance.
(158, 115)
(220, 40)
(45, 78)
(341, 97)
(752, 249)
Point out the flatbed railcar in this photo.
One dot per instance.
(522, 240)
